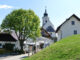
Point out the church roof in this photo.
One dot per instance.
(50, 29)
(67, 20)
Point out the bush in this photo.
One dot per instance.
(3, 51)
(8, 46)
(18, 51)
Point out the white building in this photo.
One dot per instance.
(69, 27)
(48, 26)
(40, 43)
(6, 38)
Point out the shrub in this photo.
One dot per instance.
(8, 46)
(18, 51)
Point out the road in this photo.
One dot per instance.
(16, 57)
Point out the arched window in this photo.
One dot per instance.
(46, 21)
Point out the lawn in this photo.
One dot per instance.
(3, 51)
(66, 49)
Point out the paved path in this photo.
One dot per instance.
(17, 57)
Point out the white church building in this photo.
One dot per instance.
(47, 27)
(69, 27)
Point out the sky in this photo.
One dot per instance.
(58, 10)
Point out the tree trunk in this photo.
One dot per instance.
(35, 47)
(21, 45)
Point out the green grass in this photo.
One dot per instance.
(3, 51)
(66, 49)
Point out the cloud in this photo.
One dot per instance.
(5, 6)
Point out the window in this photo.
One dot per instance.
(0, 44)
(50, 33)
(73, 22)
(46, 21)
(75, 31)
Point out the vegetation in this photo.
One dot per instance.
(3, 51)
(9, 46)
(7, 49)
(25, 23)
(66, 49)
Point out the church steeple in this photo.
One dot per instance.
(45, 17)
(45, 14)
(48, 27)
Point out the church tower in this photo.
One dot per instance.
(47, 25)
(45, 18)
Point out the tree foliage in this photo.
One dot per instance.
(25, 23)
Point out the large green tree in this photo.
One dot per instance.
(25, 23)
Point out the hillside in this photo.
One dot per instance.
(66, 49)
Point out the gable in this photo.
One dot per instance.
(73, 16)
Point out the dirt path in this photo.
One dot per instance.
(17, 57)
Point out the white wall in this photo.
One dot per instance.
(17, 45)
(67, 29)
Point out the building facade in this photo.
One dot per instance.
(69, 27)
(7, 38)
